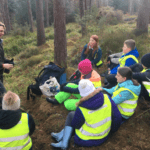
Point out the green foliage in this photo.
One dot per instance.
(107, 15)
(28, 52)
(120, 4)
(31, 62)
(113, 40)
(89, 17)
(20, 29)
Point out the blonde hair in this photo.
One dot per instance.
(11, 101)
(3, 25)
(130, 43)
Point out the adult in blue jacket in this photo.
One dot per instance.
(96, 114)
(128, 58)
(92, 51)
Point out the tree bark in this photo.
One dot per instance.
(143, 17)
(30, 16)
(47, 13)
(90, 5)
(131, 6)
(83, 28)
(40, 22)
(85, 5)
(60, 48)
(5, 14)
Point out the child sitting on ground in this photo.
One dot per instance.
(141, 72)
(128, 58)
(125, 93)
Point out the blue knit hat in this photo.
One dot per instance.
(145, 60)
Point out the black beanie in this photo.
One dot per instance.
(145, 60)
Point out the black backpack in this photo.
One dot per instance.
(49, 70)
(76, 75)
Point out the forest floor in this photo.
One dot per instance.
(132, 135)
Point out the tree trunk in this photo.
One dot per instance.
(143, 17)
(83, 30)
(47, 13)
(90, 5)
(137, 2)
(85, 5)
(30, 16)
(5, 14)
(40, 22)
(131, 7)
(60, 48)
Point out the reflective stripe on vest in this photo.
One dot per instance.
(95, 79)
(17, 137)
(99, 63)
(127, 107)
(97, 122)
(146, 83)
(122, 60)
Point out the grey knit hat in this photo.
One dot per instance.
(11, 101)
(145, 60)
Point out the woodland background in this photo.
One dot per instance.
(40, 31)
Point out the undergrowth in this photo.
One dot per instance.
(30, 59)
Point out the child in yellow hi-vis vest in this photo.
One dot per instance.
(128, 57)
(125, 93)
(95, 118)
(141, 72)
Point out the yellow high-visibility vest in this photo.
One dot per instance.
(17, 137)
(146, 83)
(126, 108)
(122, 61)
(99, 62)
(97, 122)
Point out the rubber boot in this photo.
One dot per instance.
(58, 136)
(63, 144)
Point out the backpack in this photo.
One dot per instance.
(49, 70)
(76, 75)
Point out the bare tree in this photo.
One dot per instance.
(60, 48)
(90, 4)
(1, 18)
(143, 17)
(5, 14)
(40, 22)
(81, 16)
(47, 13)
(30, 16)
(131, 6)
(85, 2)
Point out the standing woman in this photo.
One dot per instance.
(3, 65)
(92, 51)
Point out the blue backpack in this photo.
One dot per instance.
(49, 70)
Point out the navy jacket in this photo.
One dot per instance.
(94, 103)
(92, 59)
